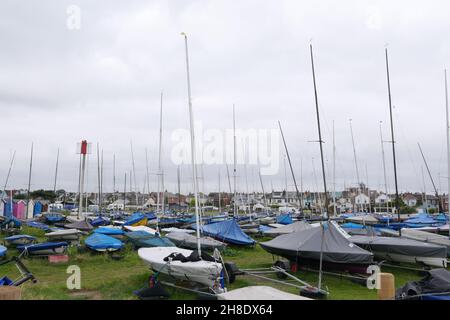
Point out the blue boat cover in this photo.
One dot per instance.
(100, 221)
(135, 218)
(109, 231)
(262, 228)
(54, 217)
(284, 219)
(3, 251)
(98, 241)
(144, 239)
(422, 218)
(11, 221)
(442, 217)
(352, 225)
(150, 215)
(41, 246)
(39, 225)
(5, 281)
(227, 231)
(19, 236)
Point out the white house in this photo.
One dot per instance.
(117, 205)
(362, 199)
(410, 200)
(382, 199)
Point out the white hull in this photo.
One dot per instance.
(140, 228)
(433, 262)
(203, 272)
(70, 234)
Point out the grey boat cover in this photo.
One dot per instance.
(306, 244)
(401, 246)
(80, 225)
(185, 240)
(427, 237)
(290, 228)
(436, 281)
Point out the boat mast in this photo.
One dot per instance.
(334, 173)
(101, 184)
(322, 160)
(262, 188)
(193, 155)
(134, 173)
(424, 197)
(431, 177)
(125, 192)
(9, 171)
(114, 177)
(56, 171)
(397, 198)
(299, 196)
(384, 163)
(179, 188)
(220, 207)
(356, 161)
(235, 212)
(99, 180)
(158, 197)
(29, 178)
(148, 176)
(448, 140)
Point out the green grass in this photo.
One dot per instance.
(105, 278)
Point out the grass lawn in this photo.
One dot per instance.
(105, 278)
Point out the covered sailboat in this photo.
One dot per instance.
(142, 239)
(82, 225)
(420, 235)
(46, 248)
(64, 234)
(19, 239)
(185, 240)
(228, 231)
(101, 243)
(403, 250)
(305, 247)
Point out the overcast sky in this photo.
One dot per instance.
(102, 82)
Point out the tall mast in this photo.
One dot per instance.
(179, 188)
(229, 179)
(334, 174)
(234, 162)
(220, 205)
(29, 178)
(286, 197)
(147, 169)
(384, 161)
(322, 160)
(299, 196)
(114, 177)
(424, 197)
(134, 173)
(193, 155)
(125, 192)
(101, 183)
(355, 159)
(368, 189)
(262, 188)
(397, 199)
(9, 171)
(99, 179)
(448, 140)
(56, 171)
(158, 201)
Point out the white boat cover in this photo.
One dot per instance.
(168, 230)
(140, 228)
(63, 232)
(259, 293)
(364, 219)
(276, 225)
(204, 272)
(184, 240)
(293, 227)
(444, 228)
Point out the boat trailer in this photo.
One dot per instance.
(25, 273)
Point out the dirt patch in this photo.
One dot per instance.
(86, 294)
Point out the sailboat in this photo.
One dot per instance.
(185, 264)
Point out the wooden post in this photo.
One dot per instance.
(10, 293)
(387, 287)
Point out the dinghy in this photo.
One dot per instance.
(362, 219)
(284, 219)
(170, 230)
(140, 228)
(100, 221)
(38, 225)
(142, 239)
(305, 247)
(434, 286)
(44, 249)
(422, 220)
(442, 229)
(101, 243)
(137, 219)
(54, 217)
(64, 234)
(208, 273)
(403, 250)
(184, 240)
(3, 251)
(110, 231)
(423, 236)
(259, 293)
(227, 231)
(290, 228)
(20, 239)
(82, 225)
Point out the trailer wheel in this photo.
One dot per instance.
(282, 265)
